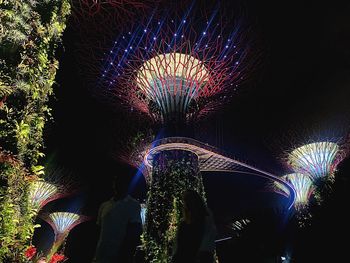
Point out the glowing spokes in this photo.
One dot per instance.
(40, 192)
(303, 187)
(317, 159)
(172, 80)
(63, 221)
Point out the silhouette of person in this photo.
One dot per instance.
(195, 238)
(120, 225)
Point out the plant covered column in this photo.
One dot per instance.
(174, 171)
(30, 32)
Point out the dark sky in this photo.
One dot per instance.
(302, 83)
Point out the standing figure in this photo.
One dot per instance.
(120, 225)
(195, 239)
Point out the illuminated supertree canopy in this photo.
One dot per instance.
(319, 159)
(303, 186)
(41, 192)
(62, 223)
(177, 69)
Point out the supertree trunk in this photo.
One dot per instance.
(173, 172)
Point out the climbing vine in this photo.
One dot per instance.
(30, 33)
(173, 172)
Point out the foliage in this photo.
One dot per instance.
(16, 218)
(30, 32)
(173, 172)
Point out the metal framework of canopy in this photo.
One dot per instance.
(211, 159)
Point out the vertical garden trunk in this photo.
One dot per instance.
(174, 171)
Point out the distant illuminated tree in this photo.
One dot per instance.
(319, 159)
(62, 223)
(303, 187)
(41, 192)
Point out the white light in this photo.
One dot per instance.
(40, 192)
(63, 221)
(204, 33)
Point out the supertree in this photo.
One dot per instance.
(303, 187)
(41, 193)
(62, 223)
(318, 159)
(175, 72)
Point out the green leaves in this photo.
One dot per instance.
(38, 170)
(29, 33)
(22, 130)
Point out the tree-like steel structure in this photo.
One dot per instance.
(318, 159)
(62, 223)
(175, 72)
(41, 192)
(303, 186)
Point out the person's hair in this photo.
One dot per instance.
(194, 204)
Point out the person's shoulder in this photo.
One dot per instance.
(132, 200)
(106, 203)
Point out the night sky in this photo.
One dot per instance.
(302, 86)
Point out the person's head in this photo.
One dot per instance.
(120, 186)
(194, 208)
